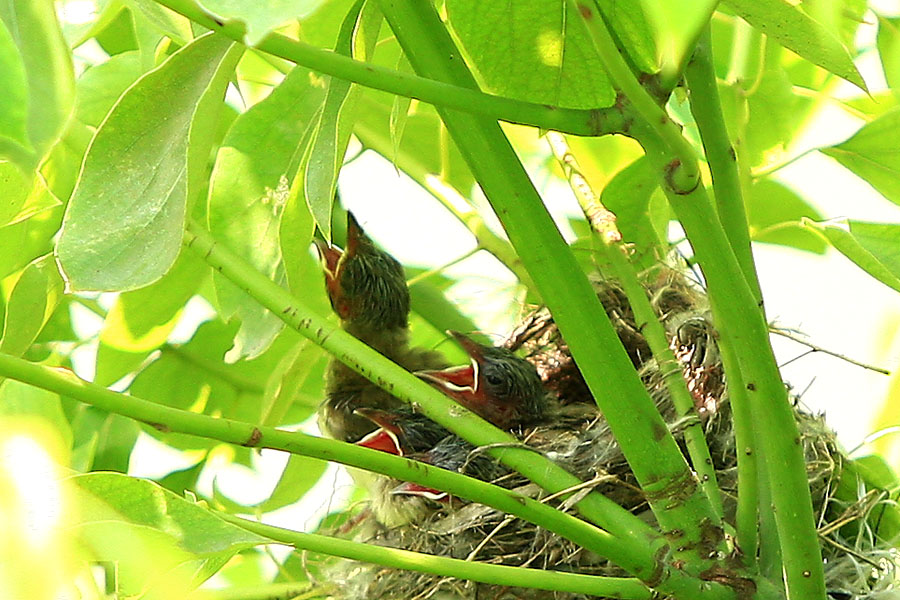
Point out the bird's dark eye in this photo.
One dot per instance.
(493, 378)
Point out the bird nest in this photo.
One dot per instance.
(859, 565)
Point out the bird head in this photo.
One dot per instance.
(497, 385)
(366, 285)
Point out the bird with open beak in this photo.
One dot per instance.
(367, 289)
(497, 385)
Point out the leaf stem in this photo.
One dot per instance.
(576, 583)
(591, 122)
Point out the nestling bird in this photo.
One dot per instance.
(497, 385)
(367, 289)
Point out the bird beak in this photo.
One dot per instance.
(355, 234)
(386, 437)
(330, 257)
(408, 488)
(461, 383)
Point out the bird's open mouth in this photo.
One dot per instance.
(385, 437)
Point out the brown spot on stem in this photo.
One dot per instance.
(254, 438)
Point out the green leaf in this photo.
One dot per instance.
(14, 100)
(260, 17)
(30, 305)
(127, 520)
(31, 25)
(677, 26)
(17, 398)
(140, 321)
(889, 50)
(287, 381)
(100, 86)
(167, 22)
(873, 153)
(23, 242)
(324, 156)
(532, 50)
(874, 247)
(125, 221)
(774, 212)
(247, 195)
(794, 30)
(299, 475)
(628, 195)
(21, 199)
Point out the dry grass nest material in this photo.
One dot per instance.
(859, 565)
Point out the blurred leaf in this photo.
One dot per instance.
(873, 153)
(27, 240)
(325, 153)
(677, 26)
(534, 51)
(115, 442)
(183, 479)
(81, 19)
(872, 246)
(101, 85)
(260, 17)
(21, 198)
(794, 30)
(115, 34)
(31, 303)
(31, 25)
(299, 475)
(140, 321)
(429, 302)
(167, 22)
(841, 18)
(628, 195)
(62, 166)
(18, 398)
(289, 376)
(127, 520)
(889, 50)
(774, 212)
(14, 100)
(247, 195)
(399, 112)
(125, 221)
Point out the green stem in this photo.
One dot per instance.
(707, 110)
(743, 327)
(635, 545)
(677, 502)
(596, 121)
(683, 172)
(613, 253)
(502, 575)
(165, 418)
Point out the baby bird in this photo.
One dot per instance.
(497, 385)
(367, 290)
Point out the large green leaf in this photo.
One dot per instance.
(127, 520)
(873, 153)
(774, 212)
(793, 29)
(32, 27)
(324, 156)
(247, 195)
(30, 305)
(125, 221)
(874, 247)
(260, 17)
(889, 50)
(677, 25)
(533, 50)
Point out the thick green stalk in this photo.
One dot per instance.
(614, 254)
(743, 328)
(570, 120)
(502, 575)
(683, 174)
(635, 547)
(167, 419)
(680, 506)
(707, 110)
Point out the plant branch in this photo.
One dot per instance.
(614, 254)
(620, 587)
(662, 471)
(164, 418)
(589, 122)
(707, 110)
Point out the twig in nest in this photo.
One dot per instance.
(814, 348)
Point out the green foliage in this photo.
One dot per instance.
(124, 127)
